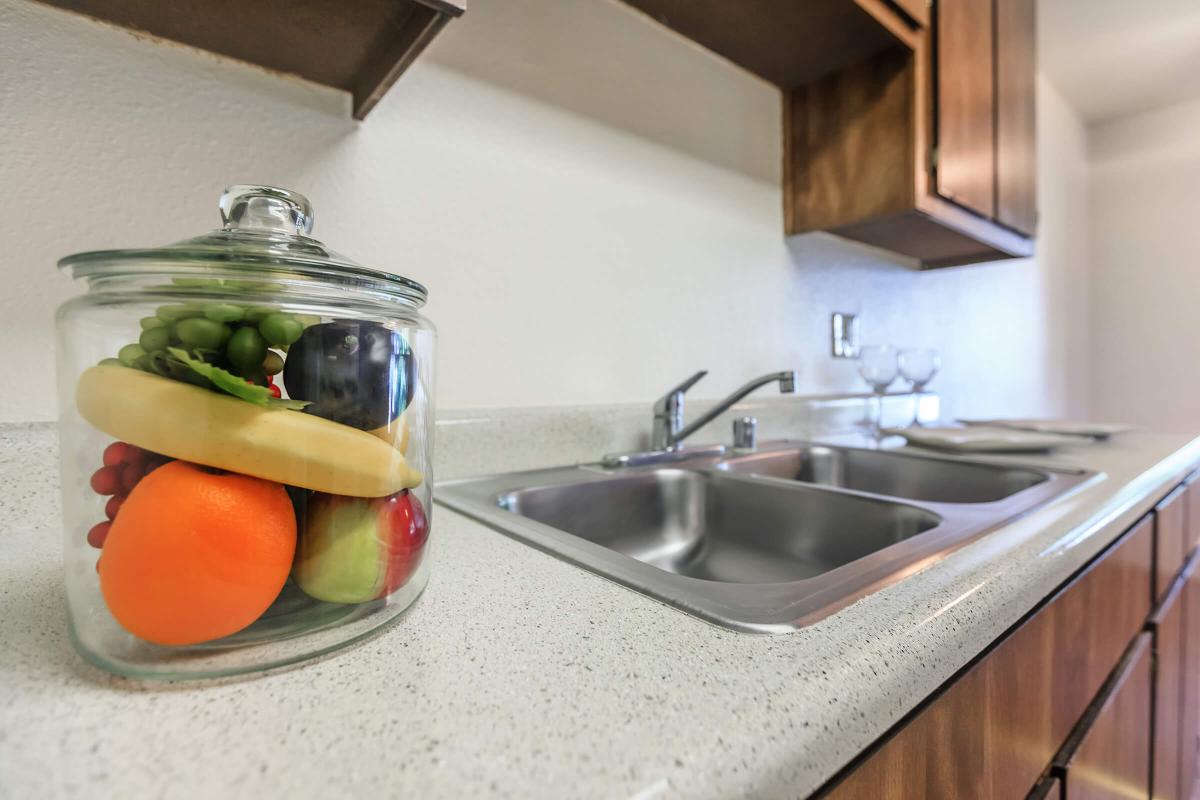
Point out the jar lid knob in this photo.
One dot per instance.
(265, 208)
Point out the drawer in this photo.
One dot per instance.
(1177, 689)
(1109, 756)
(993, 731)
(1192, 514)
(916, 10)
(1189, 718)
(1049, 789)
(1169, 631)
(1170, 539)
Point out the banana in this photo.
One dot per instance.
(194, 424)
(396, 432)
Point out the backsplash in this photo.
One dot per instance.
(487, 441)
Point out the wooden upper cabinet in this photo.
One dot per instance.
(1016, 115)
(849, 141)
(873, 90)
(786, 43)
(965, 166)
(1110, 752)
(361, 46)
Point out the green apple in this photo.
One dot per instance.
(358, 549)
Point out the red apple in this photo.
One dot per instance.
(410, 531)
(356, 549)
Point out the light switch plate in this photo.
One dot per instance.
(844, 330)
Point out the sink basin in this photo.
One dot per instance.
(714, 527)
(937, 480)
(763, 543)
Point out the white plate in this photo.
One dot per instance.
(1066, 427)
(978, 439)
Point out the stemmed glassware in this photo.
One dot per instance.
(878, 365)
(918, 366)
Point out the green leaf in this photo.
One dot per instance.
(232, 384)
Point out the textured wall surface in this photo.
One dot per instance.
(593, 202)
(1145, 241)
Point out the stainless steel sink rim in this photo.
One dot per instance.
(754, 607)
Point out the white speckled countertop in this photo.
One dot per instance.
(517, 675)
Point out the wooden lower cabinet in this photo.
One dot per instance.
(1094, 696)
(1170, 539)
(994, 730)
(1189, 721)
(1049, 789)
(1176, 626)
(1192, 505)
(1189, 735)
(1167, 625)
(1109, 755)
(916, 10)
(1177, 688)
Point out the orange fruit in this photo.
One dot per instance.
(196, 553)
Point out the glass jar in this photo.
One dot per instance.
(246, 435)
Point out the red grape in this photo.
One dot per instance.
(122, 453)
(98, 534)
(114, 505)
(107, 480)
(131, 473)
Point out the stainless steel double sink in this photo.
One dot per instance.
(765, 542)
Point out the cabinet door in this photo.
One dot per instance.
(1049, 789)
(1016, 115)
(1170, 540)
(1189, 734)
(916, 10)
(1192, 515)
(966, 152)
(1111, 760)
(1168, 626)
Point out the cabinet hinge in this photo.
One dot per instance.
(933, 157)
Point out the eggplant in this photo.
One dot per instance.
(355, 372)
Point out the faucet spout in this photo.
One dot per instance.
(787, 385)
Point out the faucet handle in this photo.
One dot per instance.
(745, 431)
(668, 414)
(665, 401)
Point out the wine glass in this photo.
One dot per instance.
(878, 366)
(918, 365)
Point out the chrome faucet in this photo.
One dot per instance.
(669, 430)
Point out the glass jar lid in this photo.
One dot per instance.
(265, 228)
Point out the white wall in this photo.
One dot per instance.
(593, 202)
(1063, 258)
(1145, 245)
